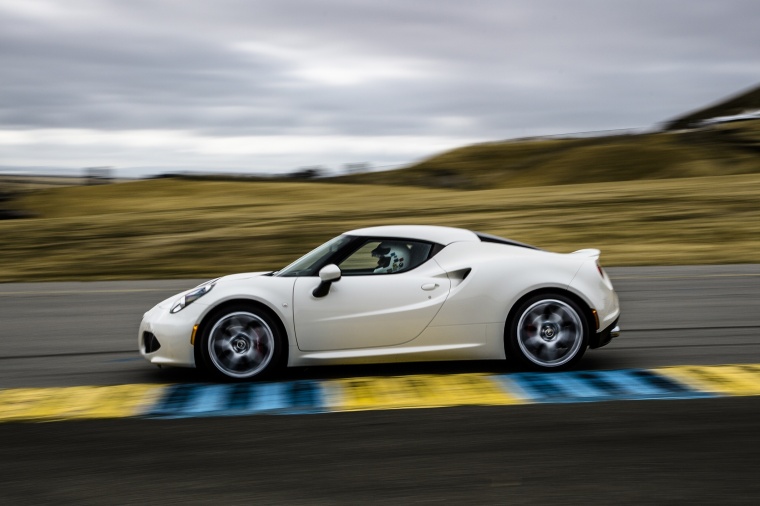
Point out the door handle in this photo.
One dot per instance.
(429, 286)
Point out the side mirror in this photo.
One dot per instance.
(327, 275)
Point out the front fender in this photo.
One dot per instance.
(273, 292)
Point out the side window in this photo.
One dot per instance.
(386, 256)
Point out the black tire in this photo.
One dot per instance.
(240, 342)
(547, 332)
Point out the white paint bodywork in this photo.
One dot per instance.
(378, 311)
(452, 307)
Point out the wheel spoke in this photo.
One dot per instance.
(235, 322)
(534, 342)
(223, 344)
(544, 309)
(253, 356)
(548, 351)
(567, 335)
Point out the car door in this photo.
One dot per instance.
(371, 306)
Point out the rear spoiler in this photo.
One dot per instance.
(590, 253)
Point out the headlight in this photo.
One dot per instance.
(193, 295)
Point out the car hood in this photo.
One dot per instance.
(242, 275)
(219, 281)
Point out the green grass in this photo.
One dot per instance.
(185, 228)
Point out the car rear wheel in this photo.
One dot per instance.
(240, 342)
(548, 331)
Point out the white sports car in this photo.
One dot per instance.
(391, 294)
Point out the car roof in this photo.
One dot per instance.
(436, 234)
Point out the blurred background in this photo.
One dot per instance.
(190, 139)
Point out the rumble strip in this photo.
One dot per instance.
(373, 393)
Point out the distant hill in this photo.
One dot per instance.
(734, 105)
(686, 147)
(723, 149)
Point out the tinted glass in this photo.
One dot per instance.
(310, 262)
(385, 256)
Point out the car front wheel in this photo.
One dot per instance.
(240, 342)
(548, 331)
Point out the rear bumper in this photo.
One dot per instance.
(604, 337)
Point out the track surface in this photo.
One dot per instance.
(654, 452)
(62, 334)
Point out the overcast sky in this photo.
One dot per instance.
(275, 85)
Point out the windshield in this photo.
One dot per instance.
(306, 265)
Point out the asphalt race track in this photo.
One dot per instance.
(64, 334)
(696, 451)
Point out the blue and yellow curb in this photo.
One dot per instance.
(375, 393)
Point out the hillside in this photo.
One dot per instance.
(736, 104)
(725, 149)
(195, 229)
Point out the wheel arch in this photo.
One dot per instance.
(587, 312)
(257, 304)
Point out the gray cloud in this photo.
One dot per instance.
(482, 70)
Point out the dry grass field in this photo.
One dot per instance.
(192, 228)
(724, 149)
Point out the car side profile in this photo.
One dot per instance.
(391, 294)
